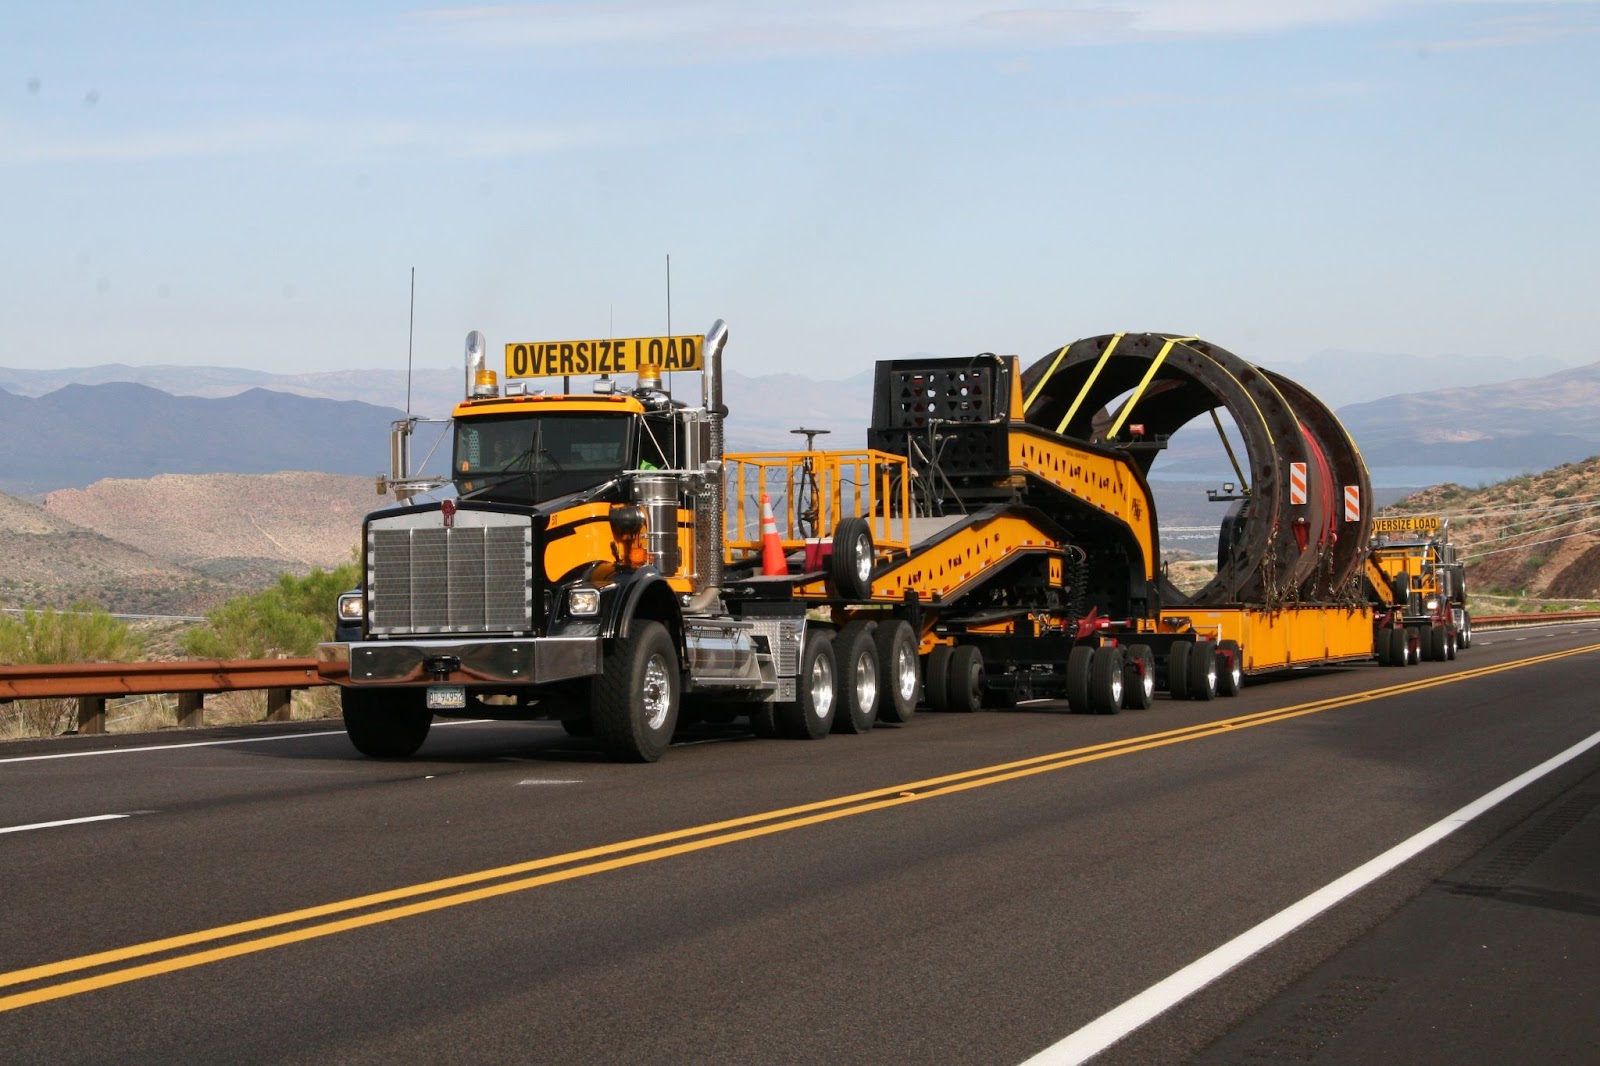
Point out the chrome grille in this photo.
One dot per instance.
(474, 578)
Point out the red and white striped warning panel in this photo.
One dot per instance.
(1352, 503)
(1297, 483)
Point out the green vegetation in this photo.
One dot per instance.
(83, 634)
(288, 618)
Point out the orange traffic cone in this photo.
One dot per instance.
(773, 561)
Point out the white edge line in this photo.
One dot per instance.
(1153, 1001)
(207, 743)
(64, 821)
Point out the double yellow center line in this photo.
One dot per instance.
(311, 923)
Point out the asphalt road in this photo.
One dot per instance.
(965, 889)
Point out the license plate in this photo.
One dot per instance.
(447, 697)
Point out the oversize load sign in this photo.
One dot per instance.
(1419, 523)
(542, 359)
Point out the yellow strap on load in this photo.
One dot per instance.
(1105, 357)
(1061, 353)
(1155, 364)
(1244, 482)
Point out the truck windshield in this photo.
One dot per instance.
(532, 458)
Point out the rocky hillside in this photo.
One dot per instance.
(1536, 536)
(239, 528)
(46, 560)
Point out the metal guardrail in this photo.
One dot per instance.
(91, 684)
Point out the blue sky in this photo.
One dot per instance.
(250, 185)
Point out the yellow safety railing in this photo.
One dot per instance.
(812, 492)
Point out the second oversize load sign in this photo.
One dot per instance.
(538, 359)
(1419, 523)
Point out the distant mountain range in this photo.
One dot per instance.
(70, 428)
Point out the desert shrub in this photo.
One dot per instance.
(82, 635)
(288, 618)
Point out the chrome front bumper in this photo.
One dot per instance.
(489, 661)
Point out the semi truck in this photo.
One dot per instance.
(1414, 555)
(599, 558)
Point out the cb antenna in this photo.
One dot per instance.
(669, 314)
(411, 335)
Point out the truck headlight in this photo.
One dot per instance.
(583, 602)
(352, 607)
(1432, 605)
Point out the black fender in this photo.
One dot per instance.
(641, 593)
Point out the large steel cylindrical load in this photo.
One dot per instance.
(1289, 540)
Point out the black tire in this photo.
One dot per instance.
(1139, 678)
(1080, 667)
(1105, 680)
(936, 678)
(850, 565)
(809, 716)
(1413, 646)
(1437, 638)
(1452, 643)
(581, 728)
(1383, 647)
(1178, 669)
(633, 703)
(860, 678)
(1464, 638)
(1230, 668)
(1398, 655)
(898, 671)
(964, 680)
(386, 723)
(1203, 670)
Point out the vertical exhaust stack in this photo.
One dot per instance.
(710, 520)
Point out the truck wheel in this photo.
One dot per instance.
(1080, 667)
(634, 701)
(850, 566)
(897, 667)
(1382, 648)
(1230, 668)
(1451, 643)
(964, 679)
(1105, 680)
(860, 683)
(1436, 644)
(763, 720)
(1203, 670)
(1139, 678)
(1413, 646)
(385, 723)
(1178, 669)
(936, 678)
(1464, 639)
(1398, 653)
(578, 727)
(809, 716)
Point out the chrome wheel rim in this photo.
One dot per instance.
(821, 687)
(906, 669)
(657, 693)
(863, 560)
(866, 680)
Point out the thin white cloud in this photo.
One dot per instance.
(1513, 31)
(713, 30)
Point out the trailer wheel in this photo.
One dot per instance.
(1399, 655)
(581, 728)
(1438, 640)
(1230, 668)
(1464, 639)
(1203, 670)
(1413, 646)
(1178, 669)
(1139, 678)
(964, 679)
(860, 680)
(936, 678)
(850, 565)
(897, 666)
(1080, 665)
(634, 701)
(1105, 680)
(809, 716)
(385, 723)
(1451, 643)
(1381, 646)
